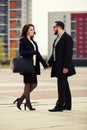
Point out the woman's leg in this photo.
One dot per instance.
(19, 101)
(27, 97)
(27, 92)
(33, 86)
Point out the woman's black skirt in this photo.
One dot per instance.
(30, 78)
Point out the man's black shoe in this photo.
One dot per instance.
(66, 108)
(55, 109)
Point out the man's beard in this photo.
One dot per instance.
(55, 33)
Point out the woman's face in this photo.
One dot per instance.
(31, 31)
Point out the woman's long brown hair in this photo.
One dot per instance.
(25, 29)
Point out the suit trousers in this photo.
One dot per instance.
(64, 94)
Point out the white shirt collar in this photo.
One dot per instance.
(61, 34)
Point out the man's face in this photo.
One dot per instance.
(55, 29)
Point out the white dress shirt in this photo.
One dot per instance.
(56, 42)
(34, 56)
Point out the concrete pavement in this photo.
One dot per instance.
(43, 98)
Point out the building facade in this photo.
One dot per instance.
(13, 15)
(79, 34)
(4, 23)
(76, 26)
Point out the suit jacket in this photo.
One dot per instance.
(63, 55)
(26, 49)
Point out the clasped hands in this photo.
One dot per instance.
(65, 70)
(47, 66)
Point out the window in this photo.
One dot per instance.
(81, 51)
(80, 46)
(13, 44)
(73, 19)
(3, 29)
(80, 28)
(18, 13)
(3, 19)
(2, 1)
(80, 42)
(73, 34)
(17, 33)
(74, 53)
(18, 22)
(85, 37)
(85, 28)
(18, 3)
(13, 34)
(85, 42)
(80, 19)
(15, 4)
(13, 48)
(12, 14)
(15, 14)
(85, 32)
(13, 24)
(80, 37)
(85, 19)
(80, 33)
(85, 23)
(80, 56)
(3, 9)
(85, 46)
(80, 23)
(73, 26)
(5, 39)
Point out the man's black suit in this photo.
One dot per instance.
(63, 59)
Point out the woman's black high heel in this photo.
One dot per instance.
(18, 104)
(29, 106)
(16, 100)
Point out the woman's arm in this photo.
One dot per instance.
(50, 61)
(43, 62)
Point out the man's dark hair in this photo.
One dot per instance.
(59, 23)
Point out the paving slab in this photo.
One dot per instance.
(43, 98)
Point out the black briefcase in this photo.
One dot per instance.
(22, 65)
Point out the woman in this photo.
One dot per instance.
(28, 48)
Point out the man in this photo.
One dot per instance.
(62, 66)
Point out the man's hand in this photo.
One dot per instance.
(65, 70)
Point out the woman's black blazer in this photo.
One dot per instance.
(26, 49)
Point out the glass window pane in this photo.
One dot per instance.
(18, 23)
(73, 26)
(18, 14)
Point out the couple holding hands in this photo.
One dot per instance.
(60, 63)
